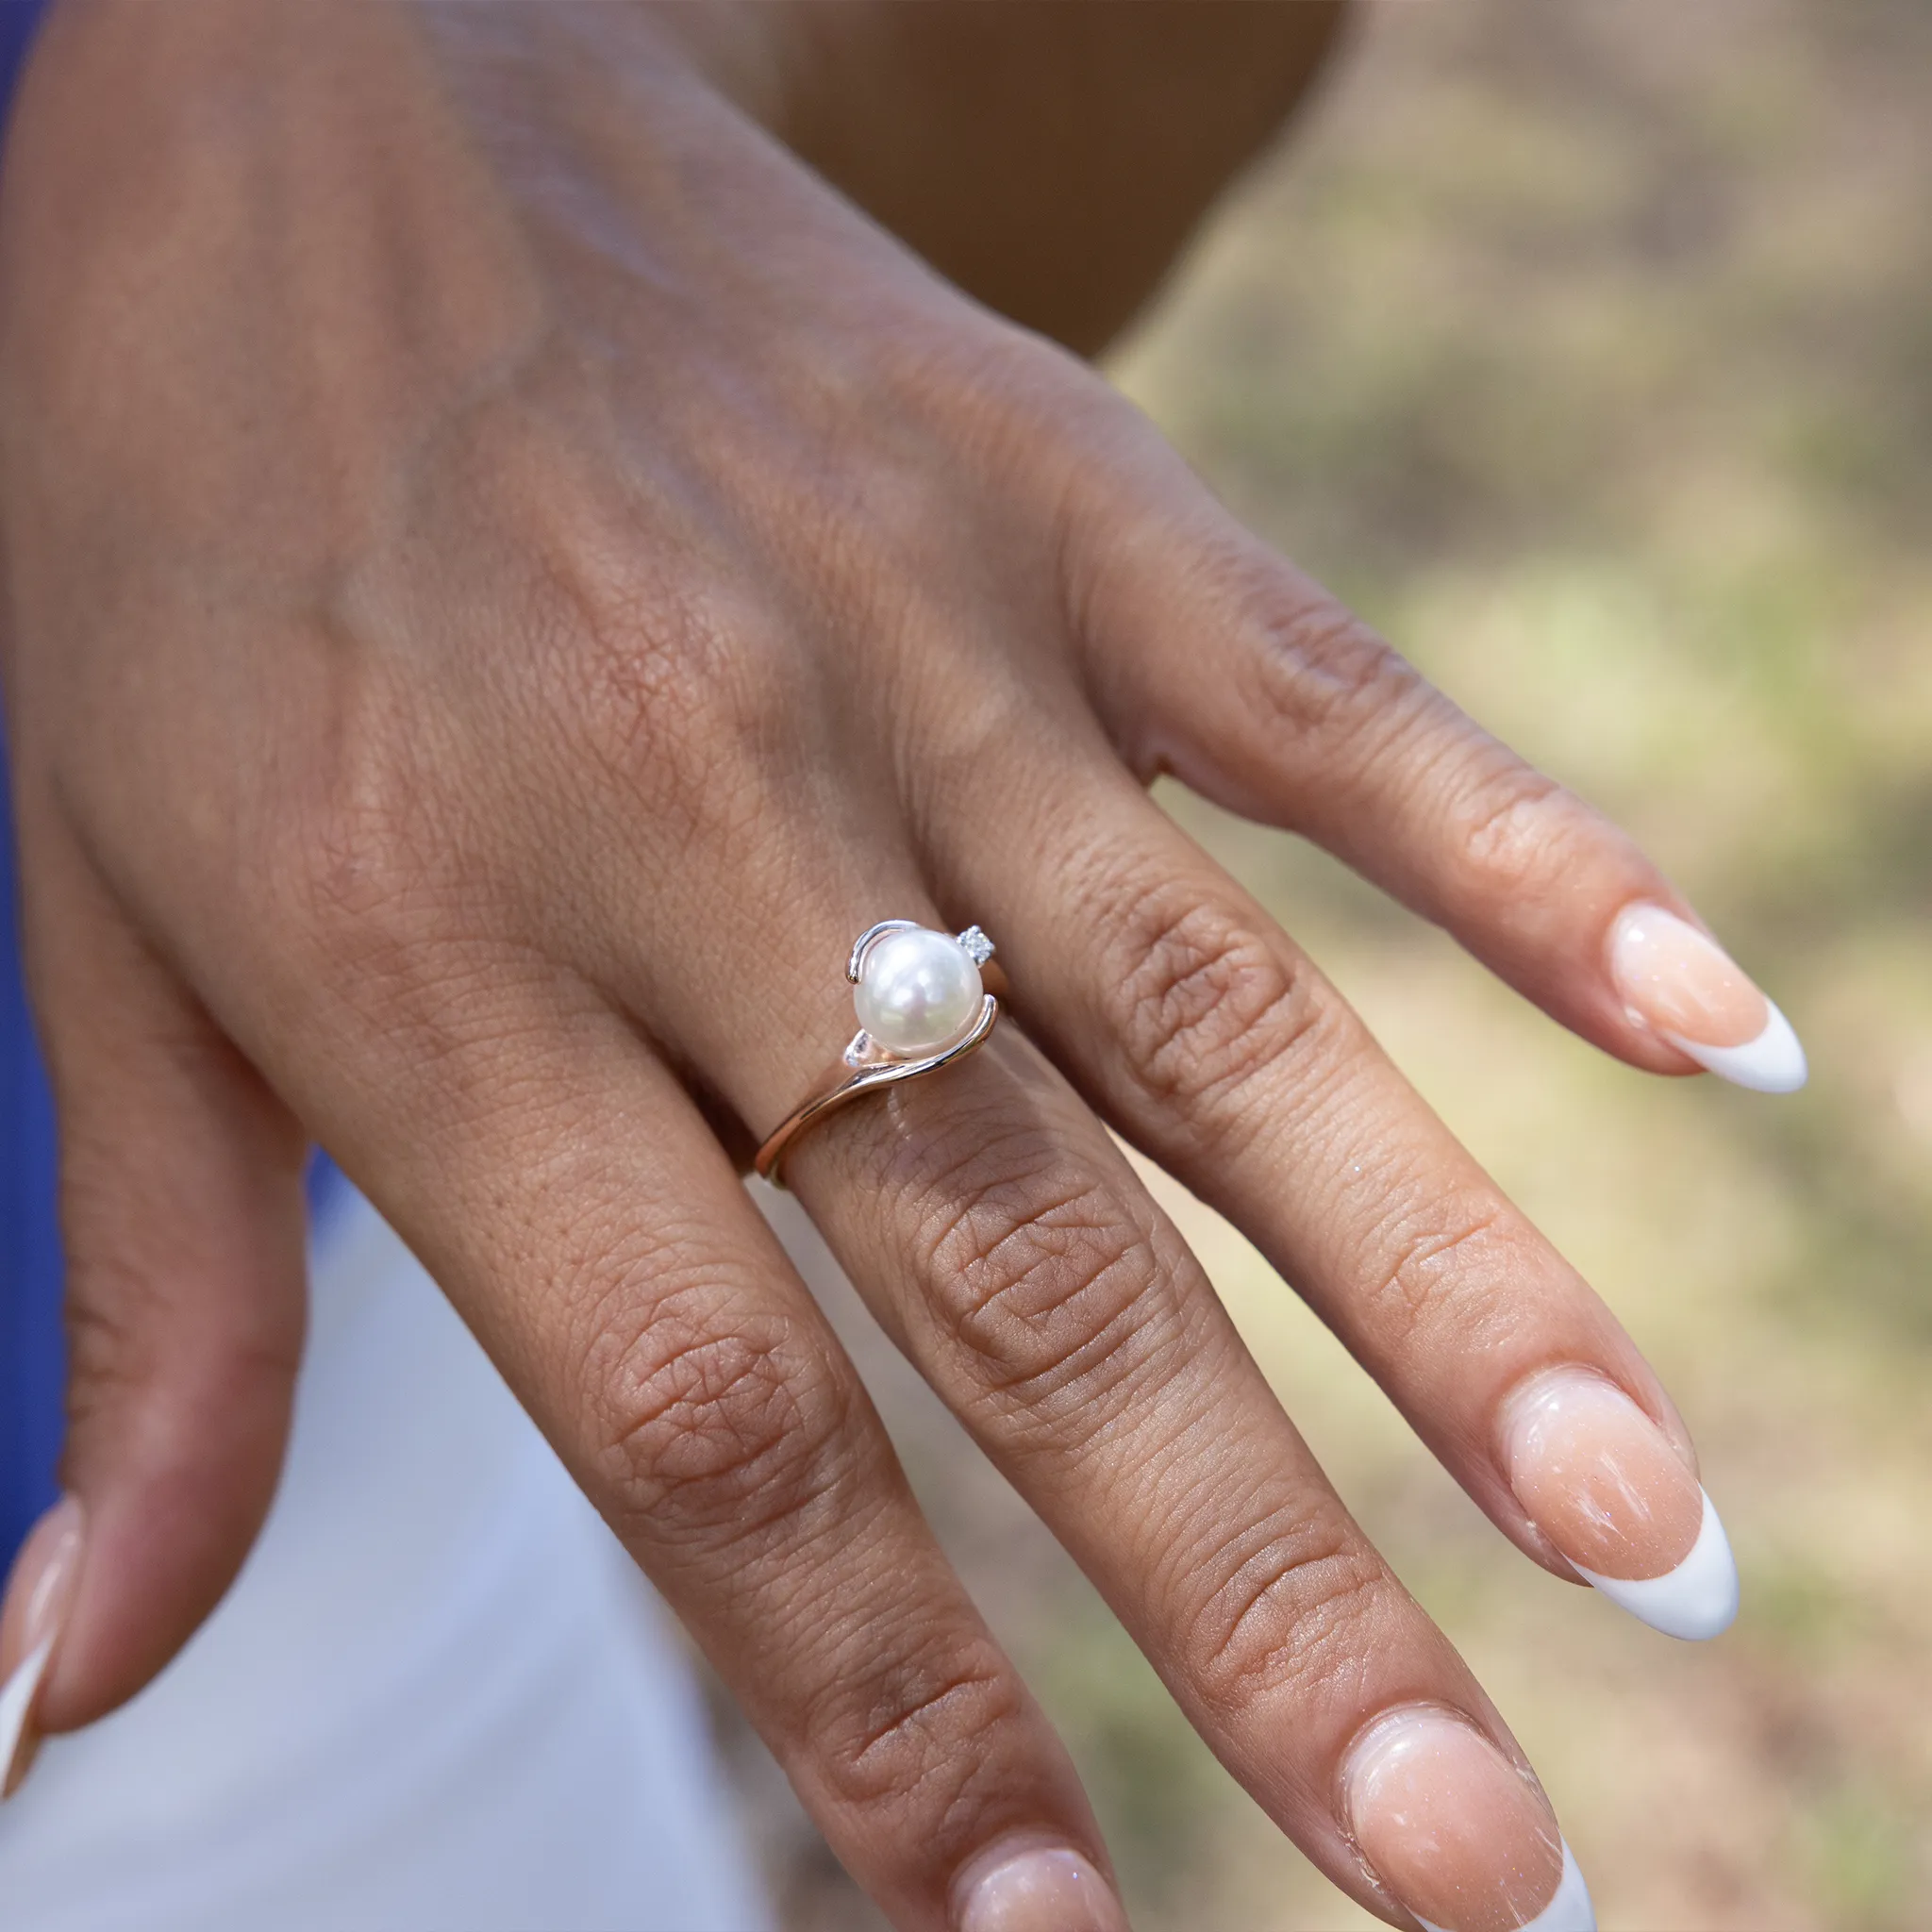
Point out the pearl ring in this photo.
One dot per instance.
(922, 1003)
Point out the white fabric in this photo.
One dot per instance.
(438, 1697)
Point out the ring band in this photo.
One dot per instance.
(922, 1002)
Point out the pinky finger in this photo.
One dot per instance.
(182, 1223)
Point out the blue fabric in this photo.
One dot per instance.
(30, 1353)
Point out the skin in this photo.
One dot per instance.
(509, 572)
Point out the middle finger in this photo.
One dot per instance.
(1209, 1039)
(1004, 1242)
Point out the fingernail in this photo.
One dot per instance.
(1461, 1838)
(1040, 1889)
(1607, 1485)
(38, 1595)
(1681, 983)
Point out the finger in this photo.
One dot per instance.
(182, 1219)
(1005, 1244)
(1216, 658)
(1212, 1041)
(556, 1181)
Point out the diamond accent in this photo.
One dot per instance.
(979, 949)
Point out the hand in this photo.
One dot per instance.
(508, 574)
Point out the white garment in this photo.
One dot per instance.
(438, 1696)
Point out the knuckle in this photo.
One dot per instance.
(357, 860)
(361, 847)
(1295, 1607)
(110, 1353)
(718, 1430)
(648, 665)
(1444, 1259)
(662, 681)
(1041, 1275)
(1200, 1001)
(1516, 834)
(994, 385)
(926, 1738)
(138, 1335)
(1318, 670)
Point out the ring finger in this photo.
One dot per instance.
(566, 1194)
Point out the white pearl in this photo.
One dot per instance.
(917, 990)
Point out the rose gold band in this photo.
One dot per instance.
(863, 1066)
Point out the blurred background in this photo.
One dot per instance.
(1587, 351)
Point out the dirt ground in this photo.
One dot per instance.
(1589, 351)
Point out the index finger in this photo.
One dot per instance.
(1212, 656)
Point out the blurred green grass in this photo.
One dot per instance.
(1588, 353)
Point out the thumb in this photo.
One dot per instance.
(181, 1215)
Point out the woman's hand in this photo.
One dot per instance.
(508, 574)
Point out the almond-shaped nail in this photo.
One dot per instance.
(1682, 984)
(1038, 1888)
(1462, 1837)
(39, 1593)
(1607, 1487)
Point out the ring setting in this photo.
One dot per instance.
(922, 1002)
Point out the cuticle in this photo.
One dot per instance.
(1504, 1746)
(1343, 1810)
(999, 1851)
(1387, 1715)
(1679, 1437)
(1512, 1397)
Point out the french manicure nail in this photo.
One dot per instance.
(1465, 1841)
(1682, 984)
(38, 1595)
(1041, 1888)
(1607, 1485)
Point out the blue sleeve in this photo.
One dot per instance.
(31, 1352)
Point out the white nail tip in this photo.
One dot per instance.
(1772, 1063)
(1697, 1600)
(16, 1701)
(1570, 1910)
